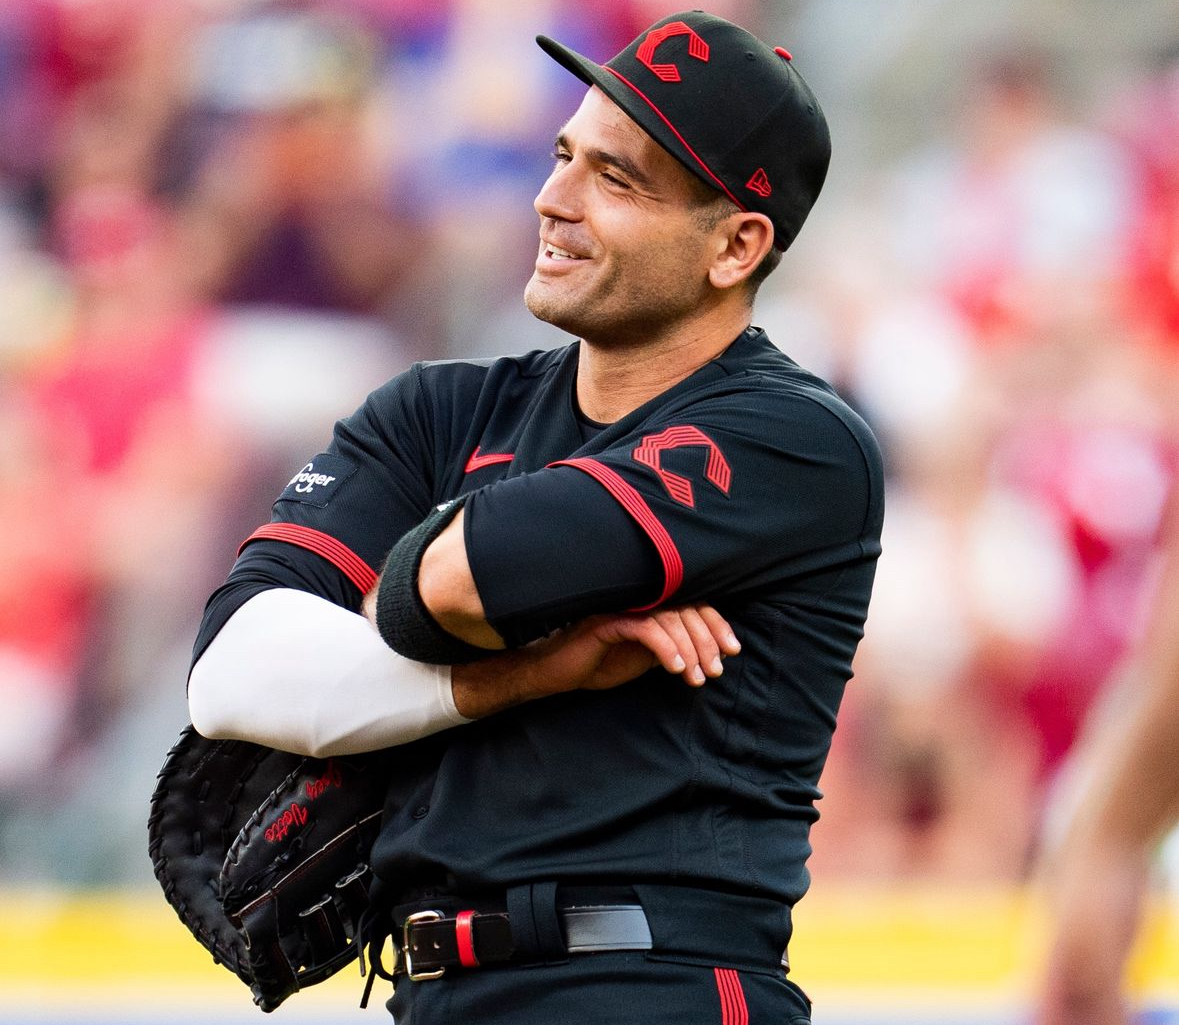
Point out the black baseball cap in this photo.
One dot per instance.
(733, 110)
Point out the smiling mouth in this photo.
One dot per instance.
(557, 253)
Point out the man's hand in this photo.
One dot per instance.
(596, 654)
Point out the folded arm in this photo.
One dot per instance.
(296, 672)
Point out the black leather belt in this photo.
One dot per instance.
(432, 942)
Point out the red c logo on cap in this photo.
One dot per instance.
(697, 48)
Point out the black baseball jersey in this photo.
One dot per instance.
(750, 485)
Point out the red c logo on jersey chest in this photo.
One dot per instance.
(716, 470)
(645, 54)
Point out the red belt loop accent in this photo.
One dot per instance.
(465, 939)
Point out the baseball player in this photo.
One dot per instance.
(539, 541)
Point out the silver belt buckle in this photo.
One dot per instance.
(418, 916)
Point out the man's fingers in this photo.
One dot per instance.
(680, 628)
(709, 634)
(707, 648)
(721, 631)
(671, 643)
(688, 641)
(650, 633)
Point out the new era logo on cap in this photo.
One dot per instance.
(760, 183)
(734, 111)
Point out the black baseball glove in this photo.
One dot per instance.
(264, 855)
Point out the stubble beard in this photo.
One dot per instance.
(605, 320)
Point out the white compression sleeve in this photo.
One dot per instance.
(293, 671)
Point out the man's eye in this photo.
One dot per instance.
(614, 180)
(560, 156)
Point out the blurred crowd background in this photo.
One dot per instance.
(222, 223)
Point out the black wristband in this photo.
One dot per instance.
(403, 620)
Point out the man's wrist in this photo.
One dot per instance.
(400, 615)
(497, 683)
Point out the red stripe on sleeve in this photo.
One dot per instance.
(636, 505)
(336, 552)
(734, 1010)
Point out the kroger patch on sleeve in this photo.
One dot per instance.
(316, 482)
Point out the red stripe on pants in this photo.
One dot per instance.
(732, 997)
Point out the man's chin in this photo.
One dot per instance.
(547, 308)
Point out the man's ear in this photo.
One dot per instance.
(747, 238)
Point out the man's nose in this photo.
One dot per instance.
(557, 198)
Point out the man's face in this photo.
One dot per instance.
(623, 252)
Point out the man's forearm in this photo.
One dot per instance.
(293, 671)
(480, 689)
(425, 603)
(596, 654)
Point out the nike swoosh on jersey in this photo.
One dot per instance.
(478, 460)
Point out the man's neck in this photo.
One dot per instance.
(614, 380)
